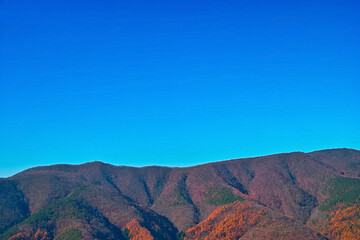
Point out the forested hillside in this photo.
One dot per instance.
(284, 196)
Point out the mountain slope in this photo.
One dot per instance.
(249, 221)
(167, 201)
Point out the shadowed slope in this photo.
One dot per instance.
(70, 213)
(13, 207)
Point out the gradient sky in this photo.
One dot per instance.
(175, 83)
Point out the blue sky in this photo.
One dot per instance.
(175, 83)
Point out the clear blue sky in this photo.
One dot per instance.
(175, 83)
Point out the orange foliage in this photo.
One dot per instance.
(39, 235)
(228, 222)
(137, 232)
(20, 236)
(345, 223)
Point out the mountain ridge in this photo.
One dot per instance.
(176, 167)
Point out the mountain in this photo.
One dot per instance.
(283, 196)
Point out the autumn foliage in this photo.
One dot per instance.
(137, 232)
(39, 235)
(228, 222)
(345, 223)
